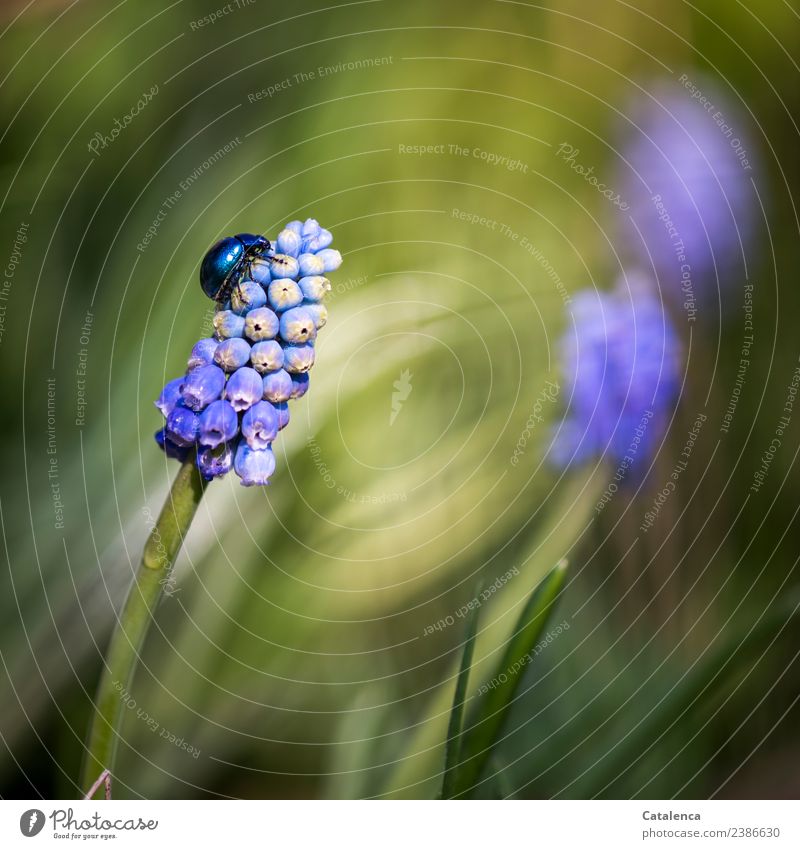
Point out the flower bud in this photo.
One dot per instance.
(310, 228)
(282, 409)
(228, 325)
(259, 271)
(314, 288)
(277, 386)
(283, 267)
(298, 358)
(314, 244)
(297, 326)
(232, 354)
(319, 312)
(248, 295)
(260, 324)
(284, 294)
(331, 259)
(310, 265)
(289, 242)
(266, 356)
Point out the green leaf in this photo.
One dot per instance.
(454, 728)
(481, 735)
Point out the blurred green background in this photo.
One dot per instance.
(293, 658)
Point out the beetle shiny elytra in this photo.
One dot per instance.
(228, 261)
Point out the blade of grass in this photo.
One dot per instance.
(454, 728)
(564, 524)
(479, 738)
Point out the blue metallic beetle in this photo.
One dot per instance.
(228, 261)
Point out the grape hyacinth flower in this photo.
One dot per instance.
(232, 401)
(223, 415)
(688, 180)
(621, 365)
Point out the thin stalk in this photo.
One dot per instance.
(159, 555)
(455, 728)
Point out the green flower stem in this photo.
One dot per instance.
(159, 555)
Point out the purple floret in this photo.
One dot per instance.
(218, 423)
(202, 386)
(215, 462)
(169, 397)
(260, 425)
(244, 389)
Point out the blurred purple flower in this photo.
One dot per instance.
(689, 163)
(621, 365)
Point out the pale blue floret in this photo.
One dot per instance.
(297, 326)
(283, 267)
(298, 358)
(331, 259)
(254, 466)
(310, 228)
(277, 386)
(311, 264)
(232, 354)
(319, 314)
(284, 294)
(228, 325)
(314, 244)
(248, 295)
(261, 324)
(259, 271)
(266, 356)
(289, 242)
(314, 287)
